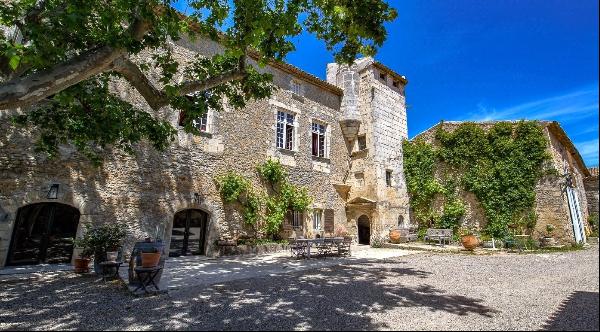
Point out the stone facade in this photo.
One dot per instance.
(591, 191)
(377, 108)
(552, 202)
(147, 189)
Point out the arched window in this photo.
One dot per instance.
(400, 221)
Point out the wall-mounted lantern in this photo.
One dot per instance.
(53, 192)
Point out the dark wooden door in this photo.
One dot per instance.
(188, 236)
(43, 233)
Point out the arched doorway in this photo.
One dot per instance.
(43, 233)
(364, 230)
(188, 236)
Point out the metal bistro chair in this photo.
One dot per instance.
(297, 248)
(323, 247)
(344, 247)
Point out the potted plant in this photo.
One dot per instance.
(548, 239)
(468, 238)
(81, 264)
(150, 258)
(102, 239)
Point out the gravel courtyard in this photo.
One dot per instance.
(415, 292)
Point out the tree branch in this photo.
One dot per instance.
(132, 73)
(26, 91)
(157, 98)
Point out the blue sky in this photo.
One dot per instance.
(491, 60)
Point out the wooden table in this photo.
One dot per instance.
(310, 242)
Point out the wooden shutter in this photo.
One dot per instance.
(181, 120)
(328, 225)
(287, 221)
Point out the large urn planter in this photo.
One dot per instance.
(150, 259)
(395, 236)
(547, 241)
(470, 242)
(81, 265)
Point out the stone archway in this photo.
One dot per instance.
(43, 233)
(189, 233)
(364, 230)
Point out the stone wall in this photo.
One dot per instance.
(146, 189)
(381, 108)
(591, 191)
(551, 204)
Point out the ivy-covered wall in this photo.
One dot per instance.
(486, 176)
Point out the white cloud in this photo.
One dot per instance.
(588, 151)
(568, 107)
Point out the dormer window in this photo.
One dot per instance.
(382, 76)
(395, 84)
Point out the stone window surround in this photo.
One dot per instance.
(389, 178)
(294, 134)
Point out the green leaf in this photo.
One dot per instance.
(14, 62)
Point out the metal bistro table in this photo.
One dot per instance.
(310, 242)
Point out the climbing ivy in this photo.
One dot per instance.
(265, 211)
(499, 166)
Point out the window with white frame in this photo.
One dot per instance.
(200, 123)
(296, 87)
(319, 142)
(317, 219)
(297, 219)
(285, 130)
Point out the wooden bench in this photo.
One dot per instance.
(407, 235)
(441, 235)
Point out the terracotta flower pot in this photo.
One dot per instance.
(150, 259)
(470, 242)
(81, 265)
(395, 236)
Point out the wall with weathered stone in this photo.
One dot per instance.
(381, 108)
(551, 204)
(591, 191)
(146, 189)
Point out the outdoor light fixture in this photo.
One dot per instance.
(53, 192)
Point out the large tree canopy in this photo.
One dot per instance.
(57, 58)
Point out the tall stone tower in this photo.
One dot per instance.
(374, 125)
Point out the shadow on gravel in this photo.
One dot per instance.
(579, 312)
(334, 298)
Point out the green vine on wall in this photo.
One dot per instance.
(265, 211)
(500, 166)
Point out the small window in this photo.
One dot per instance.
(362, 142)
(318, 139)
(297, 219)
(285, 130)
(359, 179)
(382, 76)
(317, 219)
(296, 87)
(388, 178)
(395, 83)
(400, 221)
(200, 123)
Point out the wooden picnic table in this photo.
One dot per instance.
(308, 243)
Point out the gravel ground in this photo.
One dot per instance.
(416, 292)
